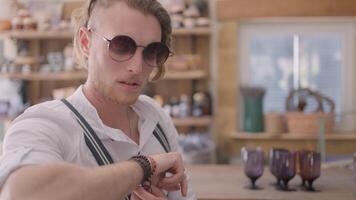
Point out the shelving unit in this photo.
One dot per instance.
(39, 85)
(36, 80)
(194, 41)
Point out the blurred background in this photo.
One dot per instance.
(251, 73)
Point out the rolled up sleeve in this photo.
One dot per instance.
(29, 142)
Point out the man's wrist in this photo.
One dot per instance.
(145, 163)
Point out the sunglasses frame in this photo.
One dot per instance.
(170, 53)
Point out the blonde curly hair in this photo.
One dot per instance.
(81, 17)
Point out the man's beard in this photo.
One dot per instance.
(108, 91)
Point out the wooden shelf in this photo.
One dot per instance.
(288, 136)
(188, 74)
(69, 35)
(38, 34)
(25, 60)
(192, 31)
(62, 76)
(193, 121)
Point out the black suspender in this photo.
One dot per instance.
(161, 137)
(93, 142)
(100, 153)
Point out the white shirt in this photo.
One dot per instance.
(49, 133)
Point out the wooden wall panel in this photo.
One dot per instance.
(236, 9)
(227, 84)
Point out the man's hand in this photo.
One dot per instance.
(172, 163)
(141, 194)
(157, 178)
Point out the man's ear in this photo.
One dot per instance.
(84, 39)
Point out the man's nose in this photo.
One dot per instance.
(136, 62)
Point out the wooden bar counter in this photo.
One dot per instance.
(228, 182)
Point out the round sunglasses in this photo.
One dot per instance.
(122, 48)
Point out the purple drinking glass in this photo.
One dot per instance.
(253, 160)
(285, 168)
(273, 154)
(310, 167)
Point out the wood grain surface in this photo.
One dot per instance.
(229, 182)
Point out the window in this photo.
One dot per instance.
(282, 56)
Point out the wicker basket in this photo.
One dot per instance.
(275, 123)
(309, 123)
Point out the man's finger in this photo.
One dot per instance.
(143, 194)
(172, 188)
(184, 186)
(157, 192)
(171, 180)
(136, 196)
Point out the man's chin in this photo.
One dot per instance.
(126, 100)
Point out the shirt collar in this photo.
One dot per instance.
(147, 120)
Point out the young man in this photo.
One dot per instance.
(53, 150)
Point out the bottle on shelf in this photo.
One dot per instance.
(184, 106)
(197, 109)
(202, 104)
(174, 103)
(207, 104)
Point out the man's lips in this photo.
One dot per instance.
(130, 83)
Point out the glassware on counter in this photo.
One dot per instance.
(285, 168)
(310, 168)
(253, 160)
(274, 155)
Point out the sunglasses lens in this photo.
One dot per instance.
(155, 54)
(122, 48)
